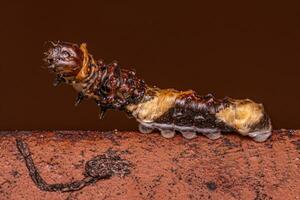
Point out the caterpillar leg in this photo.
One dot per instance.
(79, 98)
(260, 136)
(166, 133)
(188, 134)
(145, 129)
(213, 135)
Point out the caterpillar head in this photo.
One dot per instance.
(65, 59)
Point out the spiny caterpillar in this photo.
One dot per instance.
(167, 110)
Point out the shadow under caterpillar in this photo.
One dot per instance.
(168, 110)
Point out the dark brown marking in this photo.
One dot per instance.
(198, 111)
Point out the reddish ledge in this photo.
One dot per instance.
(232, 167)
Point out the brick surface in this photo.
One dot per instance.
(232, 167)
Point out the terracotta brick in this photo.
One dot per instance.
(232, 167)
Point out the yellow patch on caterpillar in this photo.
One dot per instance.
(241, 115)
(84, 72)
(156, 106)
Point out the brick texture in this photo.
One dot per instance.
(232, 167)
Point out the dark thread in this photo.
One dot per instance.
(100, 167)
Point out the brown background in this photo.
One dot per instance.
(238, 50)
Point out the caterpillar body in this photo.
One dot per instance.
(167, 110)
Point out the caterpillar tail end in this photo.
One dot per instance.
(261, 130)
(248, 119)
(260, 136)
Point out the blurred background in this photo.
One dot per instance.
(241, 50)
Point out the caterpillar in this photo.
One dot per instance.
(166, 110)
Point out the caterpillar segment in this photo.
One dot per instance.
(166, 110)
(173, 111)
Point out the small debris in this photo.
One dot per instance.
(212, 186)
(229, 143)
(15, 173)
(297, 143)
